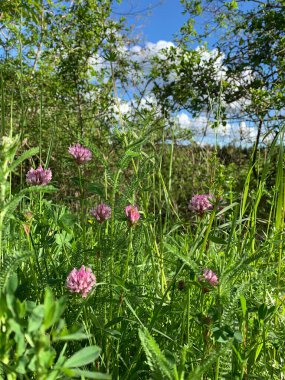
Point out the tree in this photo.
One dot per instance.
(243, 76)
(46, 48)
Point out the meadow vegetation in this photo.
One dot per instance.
(125, 254)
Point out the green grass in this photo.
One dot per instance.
(150, 316)
(145, 323)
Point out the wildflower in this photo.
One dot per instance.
(201, 203)
(39, 176)
(80, 153)
(102, 212)
(210, 277)
(81, 281)
(132, 214)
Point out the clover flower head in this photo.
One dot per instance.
(38, 176)
(201, 203)
(80, 153)
(81, 281)
(132, 214)
(102, 212)
(210, 277)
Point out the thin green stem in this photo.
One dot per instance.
(129, 251)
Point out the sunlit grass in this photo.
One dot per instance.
(175, 297)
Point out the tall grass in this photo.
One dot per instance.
(151, 313)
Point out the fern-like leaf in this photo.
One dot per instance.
(23, 157)
(155, 358)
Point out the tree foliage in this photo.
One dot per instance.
(242, 75)
(46, 48)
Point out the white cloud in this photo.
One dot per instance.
(150, 50)
(184, 121)
(125, 108)
(155, 48)
(246, 132)
(140, 60)
(136, 53)
(203, 132)
(129, 108)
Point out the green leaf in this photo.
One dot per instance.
(130, 153)
(21, 365)
(216, 239)
(222, 334)
(40, 189)
(46, 358)
(67, 220)
(49, 309)
(155, 358)
(63, 238)
(53, 309)
(36, 318)
(262, 311)
(33, 363)
(238, 336)
(12, 284)
(229, 207)
(85, 356)
(95, 188)
(23, 157)
(19, 336)
(59, 309)
(91, 375)
(78, 335)
(12, 204)
(53, 375)
(243, 304)
(11, 287)
(258, 350)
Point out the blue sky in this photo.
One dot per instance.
(154, 20)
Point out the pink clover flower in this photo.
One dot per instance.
(80, 153)
(81, 281)
(38, 176)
